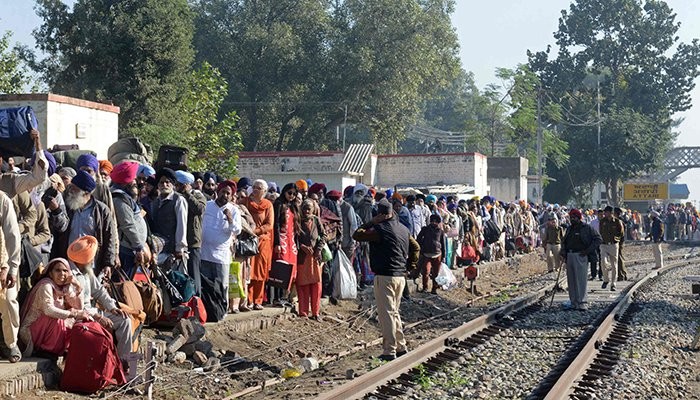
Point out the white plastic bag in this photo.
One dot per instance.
(445, 278)
(344, 279)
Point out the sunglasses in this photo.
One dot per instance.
(291, 192)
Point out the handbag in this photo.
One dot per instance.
(151, 296)
(280, 275)
(247, 246)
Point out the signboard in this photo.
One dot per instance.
(645, 191)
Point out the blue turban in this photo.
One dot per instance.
(209, 175)
(88, 160)
(146, 170)
(272, 187)
(84, 181)
(184, 177)
(442, 198)
(389, 193)
(430, 198)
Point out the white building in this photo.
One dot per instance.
(66, 120)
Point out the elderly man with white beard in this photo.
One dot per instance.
(88, 217)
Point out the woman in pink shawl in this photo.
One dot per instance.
(50, 310)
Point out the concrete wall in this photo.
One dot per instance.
(507, 178)
(433, 169)
(333, 181)
(254, 164)
(66, 120)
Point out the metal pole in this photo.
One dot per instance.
(598, 187)
(345, 125)
(539, 148)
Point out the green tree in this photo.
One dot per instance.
(214, 144)
(295, 66)
(646, 75)
(133, 53)
(13, 77)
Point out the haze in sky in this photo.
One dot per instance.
(492, 34)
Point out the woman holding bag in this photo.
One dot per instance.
(285, 235)
(262, 213)
(311, 241)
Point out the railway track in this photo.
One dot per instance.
(562, 355)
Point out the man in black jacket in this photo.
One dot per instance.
(579, 241)
(389, 251)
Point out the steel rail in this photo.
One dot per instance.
(564, 386)
(367, 383)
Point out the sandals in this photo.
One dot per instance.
(13, 354)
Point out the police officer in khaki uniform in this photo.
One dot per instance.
(611, 231)
(621, 267)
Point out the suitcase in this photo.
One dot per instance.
(172, 157)
(91, 361)
(281, 275)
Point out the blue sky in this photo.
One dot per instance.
(492, 34)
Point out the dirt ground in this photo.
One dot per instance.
(253, 357)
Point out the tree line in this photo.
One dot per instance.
(223, 75)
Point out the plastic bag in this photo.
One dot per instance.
(235, 283)
(344, 279)
(445, 278)
(326, 254)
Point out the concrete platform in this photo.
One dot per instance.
(596, 294)
(26, 375)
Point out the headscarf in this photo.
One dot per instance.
(88, 160)
(82, 250)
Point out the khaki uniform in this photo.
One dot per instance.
(611, 231)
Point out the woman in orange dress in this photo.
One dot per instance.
(263, 215)
(285, 232)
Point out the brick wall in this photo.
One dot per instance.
(433, 169)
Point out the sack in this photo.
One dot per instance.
(491, 231)
(128, 149)
(214, 298)
(172, 157)
(344, 279)
(326, 254)
(15, 124)
(235, 281)
(193, 308)
(247, 246)
(151, 296)
(68, 158)
(91, 362)
(281, 275)
(445, 278)
(124, 290)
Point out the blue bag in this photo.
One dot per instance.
(15, 124)
(183, 283)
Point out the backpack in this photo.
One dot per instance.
(491, 231)
(91, 361)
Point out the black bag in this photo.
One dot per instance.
(31, 259)
(214, 298)
(247, 246)
(172, 157)
(491, 231)
(280, 275)
(171, 296)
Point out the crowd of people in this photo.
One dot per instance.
(66, 231)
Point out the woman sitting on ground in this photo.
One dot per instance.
(50, 310)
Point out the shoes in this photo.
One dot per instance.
(258, 307)
(582, 307)
(434, 291)
(333, 301)
(612, 288)
(591, 278)
(605, 284)
(387, 357)
(235, 311)
(316, 318)
(244, 308)
(401, 353)
(600, 278)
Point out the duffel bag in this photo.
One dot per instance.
(151, 295)
(124, 290)
(15, 124)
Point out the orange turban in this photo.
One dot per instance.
(83, 250)
(302, 185)
(106, 166)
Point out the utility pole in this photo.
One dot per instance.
(345, 126)
(598, 187)
(539, 146)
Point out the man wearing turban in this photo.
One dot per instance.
(196, 203)
(168, 218)
(130, 222)
(88, 216)
(579, 241)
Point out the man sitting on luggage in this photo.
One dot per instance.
(81, 254)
